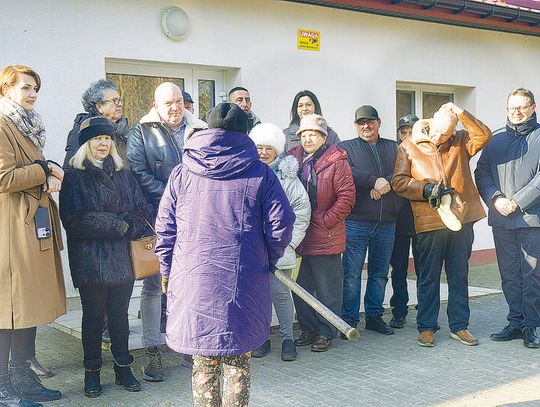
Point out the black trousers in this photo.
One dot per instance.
(400, 267)
(19, 343)
(98, 300)
(322, 277)
(518, 255)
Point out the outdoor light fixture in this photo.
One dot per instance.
(174, 23)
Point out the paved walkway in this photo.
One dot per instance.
(374, 371)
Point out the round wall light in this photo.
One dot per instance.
(174, 23)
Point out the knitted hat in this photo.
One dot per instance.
(313, 122)
(227, 116)
(268, 134)
(93, 127)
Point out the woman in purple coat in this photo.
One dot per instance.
(223, 223)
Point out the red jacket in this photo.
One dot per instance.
(336, 196)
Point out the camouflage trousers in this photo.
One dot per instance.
(206, 380)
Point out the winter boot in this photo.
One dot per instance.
(92, 384)
(26, 382)
(9, 396)
(153, 370)
(124, 377)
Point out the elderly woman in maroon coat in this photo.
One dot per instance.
(327, 177)
(223, 223)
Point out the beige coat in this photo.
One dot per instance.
(32, 288)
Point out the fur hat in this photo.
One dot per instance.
(313, 122)
(93, 127)
(227, 116)
(268, 134)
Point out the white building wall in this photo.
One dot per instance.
(362, 57)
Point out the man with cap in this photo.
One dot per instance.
(405, 237)
(432, 170)
(508, 178)
(154, 148)
(188, 101)
(223, 223)
(372, 222)
(240, 97)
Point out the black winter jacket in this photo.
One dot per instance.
(153, 153)
(95, 205)
(366, 168)
(120, 138)
(510, 167)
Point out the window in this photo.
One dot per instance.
(405, 103)
(137, 92)
(431, 102)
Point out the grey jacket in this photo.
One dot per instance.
(509, 166)
(286, 169)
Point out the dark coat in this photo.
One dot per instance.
(335, 199)
(152, 153)
(366, 168)
(292, 140)
(223, 222)
(95, 205)
(510, 167)
(120, 138)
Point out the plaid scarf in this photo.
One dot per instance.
(28, 123)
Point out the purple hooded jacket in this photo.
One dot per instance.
(223, 221)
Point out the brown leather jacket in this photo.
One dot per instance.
(420, 161)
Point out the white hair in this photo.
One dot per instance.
(84, 153)
(268, 134)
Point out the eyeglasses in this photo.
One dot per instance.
(521, 109)
(116, 101)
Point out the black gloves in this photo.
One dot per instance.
(434, 192)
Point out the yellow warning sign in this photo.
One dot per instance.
(309, 40)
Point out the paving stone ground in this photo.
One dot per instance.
(374, 371)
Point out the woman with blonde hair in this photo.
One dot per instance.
(32, 289)
(102, 209)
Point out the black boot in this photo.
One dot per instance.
(9, 396)
(92, 384)
(26, 382)
(124, 377)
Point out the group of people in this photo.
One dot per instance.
(232, 199)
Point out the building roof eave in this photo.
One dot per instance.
(464, 13)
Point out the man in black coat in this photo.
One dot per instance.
(508, 179)
(154, 148)
(372, 221)
(404, 238)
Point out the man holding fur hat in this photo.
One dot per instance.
(432, 171)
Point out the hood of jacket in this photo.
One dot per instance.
(286, 167)
(219, 153)
(523, 129)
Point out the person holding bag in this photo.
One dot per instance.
(32, 289)
(102, 209)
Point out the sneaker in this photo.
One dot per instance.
(306, 338)
(465, 337)
(397, 322)
(39, 369)
(530, 340)
(262, 350)
(321, 344)
(153, 371)
(288, 351)
(378, 325)
(426, 339)
(507, 334)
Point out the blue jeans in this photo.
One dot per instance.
(453, 249)
(378, 236)
(400, 267)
